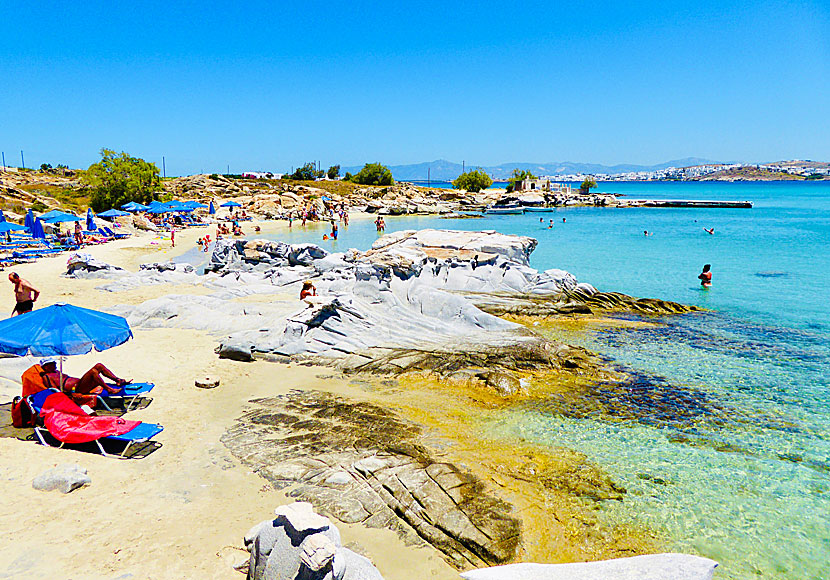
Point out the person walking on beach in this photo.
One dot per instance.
(173, 236)
(333, 230)
(24, 294)
(380, 224)
(705, 277)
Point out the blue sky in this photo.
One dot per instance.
(272, 85)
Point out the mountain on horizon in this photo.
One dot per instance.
(443, 170)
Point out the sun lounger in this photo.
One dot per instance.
(126, 397)
(64, 421)
(113, 234)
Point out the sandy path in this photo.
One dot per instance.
(180, 512)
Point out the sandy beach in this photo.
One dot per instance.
(182, 511)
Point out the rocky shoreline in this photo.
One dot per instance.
(440, 312)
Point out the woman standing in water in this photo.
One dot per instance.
(705, 277)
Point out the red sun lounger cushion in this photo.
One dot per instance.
(67, 422)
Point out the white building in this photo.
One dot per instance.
(543, 184)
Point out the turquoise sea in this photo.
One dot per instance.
(724, 447)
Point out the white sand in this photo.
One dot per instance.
(182, 511)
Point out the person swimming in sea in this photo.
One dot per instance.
(705, 277)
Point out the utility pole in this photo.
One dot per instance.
(4, 160)
(429, 170)
(163, 167)
(23, 163)
(229, 170)
(463, 168)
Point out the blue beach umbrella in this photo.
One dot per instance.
(231, 204)
(113, 213)
(51, 213)
(133, 206)
(62, 330)
(30, 220)
(62, 218)
(2, 217)
(90, 221)
(160, 209)
(37, 230)
(211, 208)
(10, 227)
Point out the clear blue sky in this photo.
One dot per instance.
(270, 85)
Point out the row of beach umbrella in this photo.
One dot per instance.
(34, 225)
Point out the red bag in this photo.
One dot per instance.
(22, 415)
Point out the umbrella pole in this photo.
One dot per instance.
(61, 372)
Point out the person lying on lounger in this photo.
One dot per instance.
(92, 383)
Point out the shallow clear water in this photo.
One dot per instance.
(746, 482)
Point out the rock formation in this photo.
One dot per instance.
(360, 463)
(301, 545)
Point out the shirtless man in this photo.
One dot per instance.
(24, 294)
(91, 383)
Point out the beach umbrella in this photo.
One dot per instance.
(90, 221)
(62, 217)
(231, 204)
(160, 209)
(2, 217)
(37, 230)
(211, 208)
(10, 227)
(133, 206)
(62, 330)
(113, 213)
(30, 220)
(51, 213)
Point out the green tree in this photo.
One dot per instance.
(517, 177)
(348, 176)
(373, 174)
(45, 167)
(118, 179)
(333, 172)
(587, 185)
(474, 181)
(307, 172)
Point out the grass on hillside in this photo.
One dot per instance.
(69, 198)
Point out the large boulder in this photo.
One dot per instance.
(302, 545)
(80, 263)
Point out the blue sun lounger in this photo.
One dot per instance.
(130, 391)
(141, 433)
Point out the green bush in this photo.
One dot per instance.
(118, 179)
(373, 174)
(38, 206)
(474, 181)
(307, 172)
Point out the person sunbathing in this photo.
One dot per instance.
(91, 383)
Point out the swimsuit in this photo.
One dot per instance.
(24, 306)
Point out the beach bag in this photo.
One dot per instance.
(22, 415)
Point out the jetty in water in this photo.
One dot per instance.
(687, 203)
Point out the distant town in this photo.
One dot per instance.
(777, 171)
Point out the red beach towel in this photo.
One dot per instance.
(67, 422)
